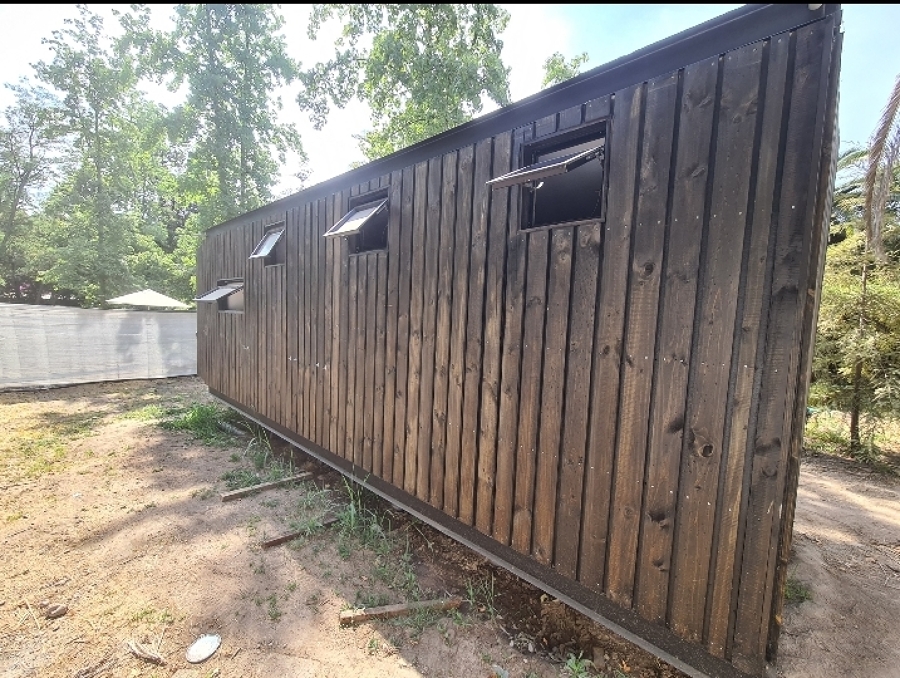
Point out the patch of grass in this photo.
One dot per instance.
(199, 421)
(204, 494)
(150, 615)
(416, 623)
(153, 412)
(482, 595)
(369, 599)
(38, 445)
(272, 610)
(796, 592)
(828, 433)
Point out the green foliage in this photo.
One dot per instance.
(841, 341)
(421, 68)
(201, 421)
(557, 69)
(232, 58)
(796, 592)
(28, 146)
(577, 667)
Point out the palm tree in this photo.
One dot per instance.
(883, 157)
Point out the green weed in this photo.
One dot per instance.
(796, 592)
(577, 667)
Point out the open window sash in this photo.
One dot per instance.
(549, 167)
(220, 292)
(267, 244)
(356, 219)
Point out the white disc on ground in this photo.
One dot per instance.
(203, 648)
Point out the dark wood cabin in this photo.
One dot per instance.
(576, 333)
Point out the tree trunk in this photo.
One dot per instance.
(856, 398)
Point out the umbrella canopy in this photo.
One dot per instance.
(148, 298)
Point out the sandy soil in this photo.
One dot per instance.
(847, 553)
(121, 521)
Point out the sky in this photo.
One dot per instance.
(870, 61)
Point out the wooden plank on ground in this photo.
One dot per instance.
(351, 617)
(291, 536)
(624, 138)
(247, 491)
(648, 241)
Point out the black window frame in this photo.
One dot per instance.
(534, 169)
(228, 295)
(275, 254)
(371, 235)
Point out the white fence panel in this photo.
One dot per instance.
(58, 345)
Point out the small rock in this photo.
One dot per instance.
(56, 610)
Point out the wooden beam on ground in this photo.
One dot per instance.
(290, 536)
(350, 617)
(246, 491)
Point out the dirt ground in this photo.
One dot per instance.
(121, 521)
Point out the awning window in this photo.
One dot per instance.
(356, 219)
(267, 244)
(549, 167)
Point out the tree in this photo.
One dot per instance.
(883, 155)
(422, 69)
(232, 58)
(91, 234)
(28, 144)
(557, 69)
(857, 358)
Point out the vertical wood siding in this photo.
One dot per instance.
(613, 400)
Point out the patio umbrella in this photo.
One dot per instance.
(148, 298)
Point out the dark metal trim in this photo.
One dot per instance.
(690, 658)
(739, 27)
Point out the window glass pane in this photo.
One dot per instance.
(267, 244)
(356, 219)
